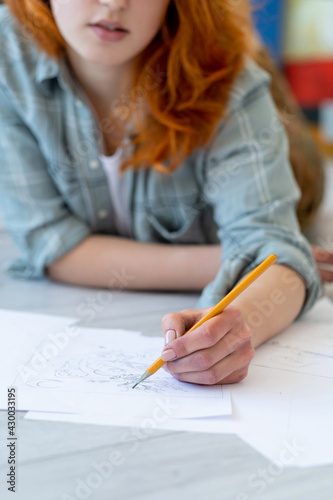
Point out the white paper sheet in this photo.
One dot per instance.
(94, 371)
(305, 347)
(21, 333)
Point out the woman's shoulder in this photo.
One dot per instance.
(250, 82)
(250, 112)
(251, 85)
(18, 54)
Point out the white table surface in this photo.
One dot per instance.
(53, 456)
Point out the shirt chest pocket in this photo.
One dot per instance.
(174, 213)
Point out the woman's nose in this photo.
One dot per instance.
(115, 4)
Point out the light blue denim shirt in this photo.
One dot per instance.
(239, 190)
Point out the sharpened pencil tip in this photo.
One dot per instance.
(143, 377)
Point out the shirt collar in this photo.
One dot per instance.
(48, 69)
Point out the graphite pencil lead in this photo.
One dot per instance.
(143, 377)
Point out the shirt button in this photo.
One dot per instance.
(102, 214)
(93, 164)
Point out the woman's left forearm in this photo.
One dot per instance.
(272, 302)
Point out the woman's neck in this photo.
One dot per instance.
(108, 92)
(106, 87)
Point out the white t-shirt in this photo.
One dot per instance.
(117, 188)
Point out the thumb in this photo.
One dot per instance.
(175, 325)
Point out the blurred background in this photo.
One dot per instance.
(299, 34)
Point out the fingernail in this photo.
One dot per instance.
(170, 336)
(168, 355)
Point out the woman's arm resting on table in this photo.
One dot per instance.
(220, 350)
(114, 262)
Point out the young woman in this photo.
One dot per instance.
(139, 136)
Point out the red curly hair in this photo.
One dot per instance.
(199, 50)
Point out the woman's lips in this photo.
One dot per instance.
(107, 35)
(109, 31)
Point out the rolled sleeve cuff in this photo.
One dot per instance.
(233, 269)
(46, 246)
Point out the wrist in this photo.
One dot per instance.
(200, 264)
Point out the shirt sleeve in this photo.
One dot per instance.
(250, 185)
(33, 210)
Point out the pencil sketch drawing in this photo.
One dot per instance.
(104, 370)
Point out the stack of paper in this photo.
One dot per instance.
(283, 409)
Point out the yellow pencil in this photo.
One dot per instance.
(220, 306)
